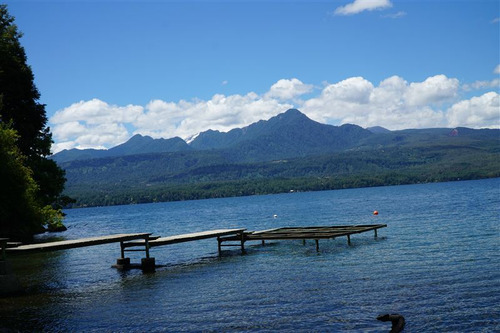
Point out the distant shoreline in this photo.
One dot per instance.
(249, 188)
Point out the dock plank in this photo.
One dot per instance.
(313, 232)
(70, 244)
(186, 237)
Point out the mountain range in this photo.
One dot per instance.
(290, 134)
(270, 155)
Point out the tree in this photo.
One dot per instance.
(20, 213)
(21, 111)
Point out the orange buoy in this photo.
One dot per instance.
(375, 212)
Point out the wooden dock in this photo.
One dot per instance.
(225, 237)
(315, 233)
(186, 237)
(148, 263)
(75, 243)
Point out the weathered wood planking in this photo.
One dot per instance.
(70, 244)
(311, 232)
(186, 237)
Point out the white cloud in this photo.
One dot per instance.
(223, 113)
(497, 70)
(395, 15)
(434, 89)
(394, 103)
(495, 83)
(359, 6)
(358, 101)
(92, 124)
(495, 20)
(288, 89)
(477, 112)
(97, 112)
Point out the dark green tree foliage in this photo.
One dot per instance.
(20, 214)
(21, 111)
(18, 93)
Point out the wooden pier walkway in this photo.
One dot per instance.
(225, 237)
(148, 263)
(75, 243)
(186, 237)
(315, 233)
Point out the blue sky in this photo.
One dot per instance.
(109, 69)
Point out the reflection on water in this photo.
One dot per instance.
(436, 263)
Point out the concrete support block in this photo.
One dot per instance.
(148, 264)
(123, 263)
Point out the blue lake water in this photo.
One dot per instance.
(437, 263)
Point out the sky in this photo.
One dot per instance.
(108, 70)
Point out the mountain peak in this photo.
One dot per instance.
(288, 134)
(292, 113)
(378, 130)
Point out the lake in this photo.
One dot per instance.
(437, 263)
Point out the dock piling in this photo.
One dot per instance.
(148, 264)
(219, 248)
(242, 243)
(123, 263)
(146, 246)
(3, 245)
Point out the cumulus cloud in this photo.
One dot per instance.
(223, 113)
(497, 70)
(477, 112)
(393, 103)
(96, 112)
(495, 83)
(92, 124)
(359, 6)
(434, 89)
(96, 124)
(288, 89)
